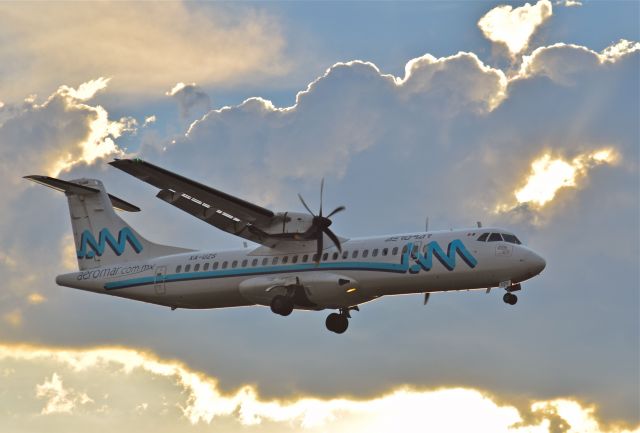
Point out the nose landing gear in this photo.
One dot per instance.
(510, 298)
(339, 322)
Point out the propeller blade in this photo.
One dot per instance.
(305, 205)
(320, 246)
(321, 194)
(336, 210)
(334, 238)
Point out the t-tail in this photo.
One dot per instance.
(102, 238)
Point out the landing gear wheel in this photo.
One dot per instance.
(282, 305)
(337, 323)
(510, 298)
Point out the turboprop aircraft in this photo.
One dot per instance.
(300, 262)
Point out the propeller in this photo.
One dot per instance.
(320, 224)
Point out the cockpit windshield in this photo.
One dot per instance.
(499, 237)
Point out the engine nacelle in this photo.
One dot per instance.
(288, 223)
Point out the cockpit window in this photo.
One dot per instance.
(483, 237)
(495, 237)
(512, 239)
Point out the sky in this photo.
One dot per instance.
(519, 115)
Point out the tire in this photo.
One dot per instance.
(337, 323)
(281, 305)
(510, 298)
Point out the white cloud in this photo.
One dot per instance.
(568, 3)
(145, 47)
(58, 398)
(561, 62)
(61, 131)
(514, 27)
(139, 388)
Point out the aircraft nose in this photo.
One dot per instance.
(536, 262)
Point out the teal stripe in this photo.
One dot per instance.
(191, 276)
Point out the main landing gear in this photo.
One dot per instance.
(339, 322)
(282, 305)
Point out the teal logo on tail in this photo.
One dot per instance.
(89, 247)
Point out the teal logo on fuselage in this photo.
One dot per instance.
(423, 260)
(89, 247)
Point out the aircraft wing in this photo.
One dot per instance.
(224, 211)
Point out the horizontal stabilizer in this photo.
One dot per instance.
(74, 188)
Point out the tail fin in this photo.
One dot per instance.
(102, 238)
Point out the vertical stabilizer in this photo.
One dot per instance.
(102, 238)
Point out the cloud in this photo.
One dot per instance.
(568, 3)
(137, 388)
(514, 27)
(562, 62)
(144, 47)
(61, 131)
(59, 399)
(190, 97)
(549, 174)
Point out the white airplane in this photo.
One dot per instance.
(300, 263)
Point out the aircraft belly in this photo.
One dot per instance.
(204, 294)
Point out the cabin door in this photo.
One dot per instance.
(159, 283)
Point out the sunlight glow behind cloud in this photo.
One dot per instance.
(549, 175)
(85, 382)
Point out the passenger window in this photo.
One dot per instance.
(415, 250)
(345, 255)
(305, 258)
(354, 255)
(254, 262)
(315, 258)
(215, 265)
(394, 251)
(483, 237)
(374, 253)
(234, 264)
(404, 249)
(187, 268)
(196, 268)
(179, 269)
(206, 266)
(294, 259)
(244, 263)
(335, 256)
(365, 253)
(510, 238)
(224, 265)
(265, 261)
(495, 237)
(274, 261)
(385, 251)
(285, 259)
(325, 256)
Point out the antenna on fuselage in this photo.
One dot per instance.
(479, 224)
(426, 225)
